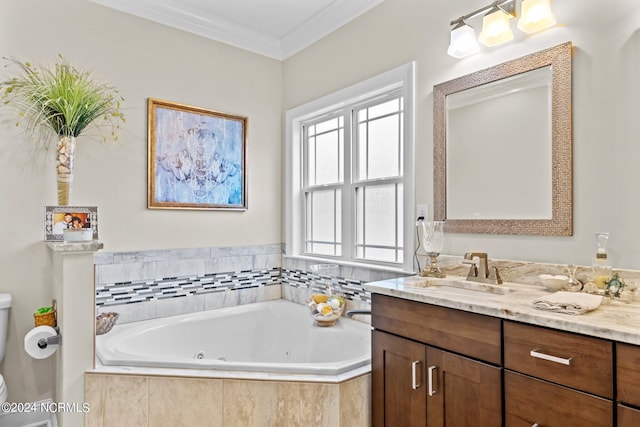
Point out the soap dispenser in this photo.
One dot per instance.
(601, 267)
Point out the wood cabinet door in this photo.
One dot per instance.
(397, 381)
(462, 392)
(628, 417)
(628, 373)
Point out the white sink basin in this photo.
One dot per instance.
(460, 287)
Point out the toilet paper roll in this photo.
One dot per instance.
(32, 338)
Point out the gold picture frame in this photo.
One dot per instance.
(196, 158)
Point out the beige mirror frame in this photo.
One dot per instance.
(561, 221)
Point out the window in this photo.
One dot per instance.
(350, 173)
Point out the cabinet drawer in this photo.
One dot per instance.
(628, 417)
(628, 373)
(529, 401)
(471, 334)
(577, 361)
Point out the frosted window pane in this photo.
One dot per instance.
(322, 249)
(359, 215)
(362, 151)
(388, 255)
(327, 125)
(380, 215)
(327, 159)
(383, 147)
(388, 107)
(322, 212)
(311, 160)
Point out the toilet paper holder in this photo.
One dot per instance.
(55, 340)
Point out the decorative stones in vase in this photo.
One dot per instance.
(65, 153)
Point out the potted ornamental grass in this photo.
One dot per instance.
(60, 100)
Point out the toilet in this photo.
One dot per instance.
(5, 304)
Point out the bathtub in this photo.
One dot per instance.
(272, 336)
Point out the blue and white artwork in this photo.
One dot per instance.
(199, 160)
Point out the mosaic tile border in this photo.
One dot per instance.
(350, 289)
(172, 287)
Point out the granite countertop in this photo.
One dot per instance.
(614, 319)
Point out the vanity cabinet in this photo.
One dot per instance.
(628, 380)
(434, 366)
(555, 378)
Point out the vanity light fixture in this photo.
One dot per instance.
(496, 27)
(536, 15)
(463, 40)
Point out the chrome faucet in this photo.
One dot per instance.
(480, 272)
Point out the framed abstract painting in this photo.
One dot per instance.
(196, 158)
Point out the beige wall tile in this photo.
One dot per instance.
(319, 405)
(261, 404)
(185, 401)
(287, 404)
(94, 391)
(355, 402)
(117, 400)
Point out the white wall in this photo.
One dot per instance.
(606, 108)
(144, 60)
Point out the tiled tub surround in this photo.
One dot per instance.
(158, 401)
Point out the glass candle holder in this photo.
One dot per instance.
(433, 242)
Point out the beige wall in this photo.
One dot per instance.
(144, 60)
(606, 108)
(149, 60)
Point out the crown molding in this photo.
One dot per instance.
(306, 33)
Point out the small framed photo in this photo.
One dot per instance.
(57, 219)
(197, 158)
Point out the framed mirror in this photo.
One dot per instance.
(503, 148)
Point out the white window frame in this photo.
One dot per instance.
(399, 77)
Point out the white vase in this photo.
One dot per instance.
(65, 152)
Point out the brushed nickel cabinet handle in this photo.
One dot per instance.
(431, 391)
(563, 361)
(414, 375)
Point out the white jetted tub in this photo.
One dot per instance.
(273, 336)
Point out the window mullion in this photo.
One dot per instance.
(348, 192)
